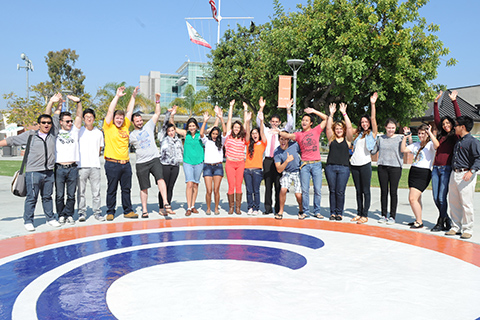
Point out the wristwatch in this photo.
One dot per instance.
(473, 171)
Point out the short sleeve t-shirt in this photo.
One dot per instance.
(426, 156)
(309, 142)
(89, 144)
(234, 148)
(67, 145)
(116, 140)
(144, 142)
(280, 156)
(212, 154)
(256, 161)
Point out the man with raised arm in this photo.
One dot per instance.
(66, 157)
(117, 159)
(148, 158)
(90, 141)
(270, 173)
(39, 176)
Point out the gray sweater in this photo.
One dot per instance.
(42, 152)
(389, 151)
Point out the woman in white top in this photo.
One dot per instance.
(361, 160)
(213, 163)
(421, 170)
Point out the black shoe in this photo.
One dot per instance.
(267, 212)
(416, 225)
(448, 224)
(338, 217)
(440, 226)
(332, 217)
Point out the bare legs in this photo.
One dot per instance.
(216, 191)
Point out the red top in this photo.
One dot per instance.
(309, 142)
(444, 154)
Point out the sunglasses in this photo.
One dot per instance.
(68, 121)
(46, 122)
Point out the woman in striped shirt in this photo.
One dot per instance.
(235, 164)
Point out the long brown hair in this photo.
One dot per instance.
(360, 129)
(241, 134)
(423, 127)
(341, 124)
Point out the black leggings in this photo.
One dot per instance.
(389, 177)
(362, 176)
(170, 174)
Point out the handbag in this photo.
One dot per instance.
(19, 187)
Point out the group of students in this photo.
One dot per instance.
(283, 159)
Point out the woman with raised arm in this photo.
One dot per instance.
(421, 169)
(337, 171)
(390, 162)
(213, 165)
(442, 165)
(171, 155)
(235, 164)
(309, 141)
(193, 156)
(256, 142)
(361, 160)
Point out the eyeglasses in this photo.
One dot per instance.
(46, 122)
(68, 121)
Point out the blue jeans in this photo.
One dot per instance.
(118, 173)
(313, 170)
(39, 182)
(440, 180)
(253, 178)
(65, 177)
(337, 178)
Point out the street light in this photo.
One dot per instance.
(295, 65)
(28, 66)
(66, 92)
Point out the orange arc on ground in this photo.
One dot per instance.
(466, 251)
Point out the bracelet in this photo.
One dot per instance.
(344, 114)
(158, 101)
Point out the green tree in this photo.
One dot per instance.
(351, 48)
(107, 93)
(62, 71)
(193, 103)
(23, 113)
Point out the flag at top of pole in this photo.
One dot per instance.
(195, 37)
(214, 9)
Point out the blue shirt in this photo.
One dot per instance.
(280, 156)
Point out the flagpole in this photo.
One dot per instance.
(218, 22)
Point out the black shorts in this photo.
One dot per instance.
(419, 178)
(154, 167)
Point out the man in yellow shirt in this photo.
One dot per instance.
(117, 160)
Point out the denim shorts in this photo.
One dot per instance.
(210, 170)
(193, 172)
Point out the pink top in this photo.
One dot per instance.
(309, 142)
(234, 148)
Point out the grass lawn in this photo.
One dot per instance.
(8, 167)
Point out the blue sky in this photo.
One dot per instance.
(121, 40)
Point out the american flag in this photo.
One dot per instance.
(214, 9)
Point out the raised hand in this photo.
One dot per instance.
(309, 110)
(333, 108)
(260, 116)
(218, 112)
(453, 95)
(157, 96)
(245, 106)
(206, 116)
(136, 91)
(406, 131)
(73, 98)
(121, 91)
(373, 98)
(56, 97)
(289, 104)
(439, 96)
(248, 116)
(174, 111)
(232, 103)
(343, 108)
(261, 103)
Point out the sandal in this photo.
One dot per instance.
(416, 225)
(145, 215)
(356, 218)
(168, 209)
(278, 216)
(208, 212)
(362, 220)
(301, 215)
(318, 216)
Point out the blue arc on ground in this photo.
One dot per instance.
(17, 274)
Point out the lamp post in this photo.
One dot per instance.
(66, 92)
(295, 65)
(28, 66)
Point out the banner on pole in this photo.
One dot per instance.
(195, 37)
(214, 9)
(284, 90)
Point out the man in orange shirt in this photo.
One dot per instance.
(117, 160)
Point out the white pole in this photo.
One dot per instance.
(218, 23)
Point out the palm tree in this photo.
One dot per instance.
(193, 103)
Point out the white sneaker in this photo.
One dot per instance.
(256, 212)
(82, 218)
(70, 220)
(54, 223)
(382, 220)
(61, 220)
(250, 211)
(99, 217)
(29, 227)
(391, 221)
